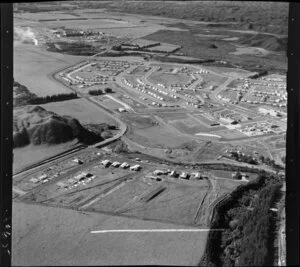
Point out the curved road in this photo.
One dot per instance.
(122, 125)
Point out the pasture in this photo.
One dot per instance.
(139, 121)
(157, 137)
(27, 155)
(204, 119)
(173, 116)
(110, 103)
(230, 134)
(210, 151)
(168, 78)
(33, 67)
(80, 109)
(190, 126)
(54, 236)
(177, 204)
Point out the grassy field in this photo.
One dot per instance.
(173, 116)
(111, 104)
(190, 126)
(223, 174)
(280, 145)
(139, 71)
(30, 154)
(177, 204)
(55, 236)
(213, 79)
(80, 109)
(229, 134)
(204, 119)
(33, 67)
(167, 78)
(131, 102)
(139, 121)
(158, 136)
(117, 201)
(210, 151)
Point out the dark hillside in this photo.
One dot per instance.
(35, 125)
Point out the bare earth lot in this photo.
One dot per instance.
(36, 243)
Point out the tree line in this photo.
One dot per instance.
(248, 223)
(52, 98)
(107, 90)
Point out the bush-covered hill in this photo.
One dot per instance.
(21, 94)
(35, 125)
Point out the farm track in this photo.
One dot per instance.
(199, 209)
(105, 193)
(214, 204)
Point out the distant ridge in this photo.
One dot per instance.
(268, 42)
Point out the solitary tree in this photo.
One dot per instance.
(108, 90)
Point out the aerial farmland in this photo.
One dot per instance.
(159, 134)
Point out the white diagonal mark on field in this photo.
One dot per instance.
(152, 230)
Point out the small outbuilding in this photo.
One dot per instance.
(184, 175)
(106, 163)
(116, 164)
(124, 165)
(135, 167)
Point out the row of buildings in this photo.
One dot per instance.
(181, 175)
(80, 179)
(106, 163)
(147, 89)
(113, 67)
(259, 128)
